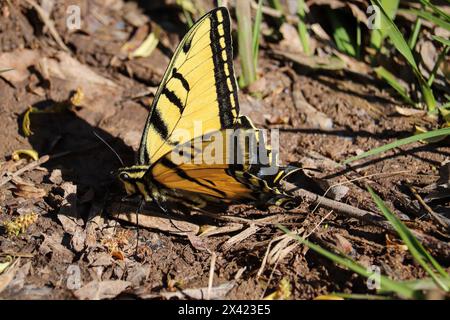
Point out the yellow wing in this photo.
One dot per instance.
(198, 93)
(224, 170)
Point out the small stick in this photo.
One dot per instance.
(211, 275)
(17, 254)
(28, 167)
(367, 216)
(49, 23)
(433, 214)
(349, 210)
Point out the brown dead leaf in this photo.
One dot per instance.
(98, 290)
(197, 242)
(215, 293)
(56, 177)
(101, 259)
(28, 191)
(68, 75)
(19, 61)
(118, 255)
(291, 41)
(69, 204)
(138, 274)
(395, 244)
(69, 224)
(8, 275)
(408, 112)
(274, 119)
(78, 240)
(18, 281)
(137, 38)
(154, 220)
(52, 244)
(343, 244)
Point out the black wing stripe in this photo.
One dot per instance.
(179, 76)
(223, 92)
(173, 98)
(159, 125)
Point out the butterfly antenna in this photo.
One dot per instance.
(111, 148)
(138, 212)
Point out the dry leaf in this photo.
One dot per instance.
(96, 290)
(291, 41)
(408, 112)
(276, 119)
(343, 244)
(118, 255)
(197, 242)
(53, 245)
(8, 276)
(19, 61)
(56, 176)
(215, 293)
(28, 191)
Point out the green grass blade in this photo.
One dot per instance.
(377, 35)
(436, 9)
(415, 247)
(402, 46)
(415, 34)
(396, 85)
(188, 8)
(401, 142)
(359, 296)
(244, 19)
(425, 283)
(256, 32)
(276, 4)
(445, 42)
(386, 283)
(439, 60)
(341, 36)
(301, 27)
(430, 17)
(390, 29)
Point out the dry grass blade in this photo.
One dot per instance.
(211, 275)
(28, 167)
(49, 23)
(240, 237)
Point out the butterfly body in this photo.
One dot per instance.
(195, 147)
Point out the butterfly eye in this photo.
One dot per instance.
(124, 176)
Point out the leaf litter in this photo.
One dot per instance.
(76, 208)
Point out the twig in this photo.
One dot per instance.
(433, 214)
(240, 237)
(357, 179)
(49, 23)
(28, 167)
(367, 216)
(211, 275)
(337, 206)
(17, 254)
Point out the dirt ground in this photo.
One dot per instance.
(75, 248)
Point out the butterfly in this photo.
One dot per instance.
(196, 107)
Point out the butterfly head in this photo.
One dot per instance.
(132, 179)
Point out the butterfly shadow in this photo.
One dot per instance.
(77, 157)
(82, 171)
